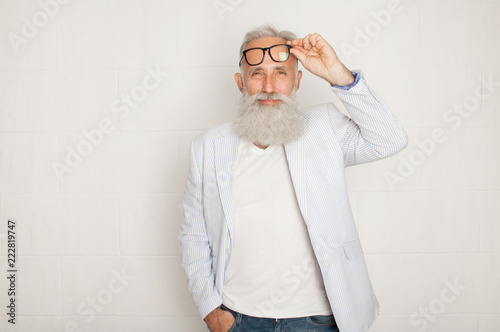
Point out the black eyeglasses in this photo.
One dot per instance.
(278, 53)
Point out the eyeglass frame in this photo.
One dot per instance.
(264, 49)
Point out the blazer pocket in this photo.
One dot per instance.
(352, 249)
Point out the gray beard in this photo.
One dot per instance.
(269, 124)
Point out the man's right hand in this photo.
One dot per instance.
(219, 320)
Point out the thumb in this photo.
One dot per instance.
(298, 53)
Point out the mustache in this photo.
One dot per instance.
(271, 96)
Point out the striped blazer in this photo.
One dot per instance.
(331, 142)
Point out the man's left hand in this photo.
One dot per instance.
(318, 57)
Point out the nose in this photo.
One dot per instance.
(268, 84)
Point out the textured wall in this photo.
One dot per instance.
(99, 101)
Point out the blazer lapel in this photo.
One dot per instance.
(226, 150)
(295, 154)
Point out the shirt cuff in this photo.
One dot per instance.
(347, 87)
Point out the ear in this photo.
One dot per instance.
(239, 81)
(297, 81)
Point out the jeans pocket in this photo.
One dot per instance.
(232, 326)
(321, 320)
(235, 316)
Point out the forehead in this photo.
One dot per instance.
(265, 42)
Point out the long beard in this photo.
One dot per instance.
(269, 124)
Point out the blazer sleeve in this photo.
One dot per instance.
(196, 248)
(372, 131)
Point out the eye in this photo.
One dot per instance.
(257, 73)
(282, 72)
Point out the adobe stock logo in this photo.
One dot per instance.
(104, 297)
(436, 306)
(363, 37)
(94, 137)
(292, 280)
(31, 28)
(455, 115)
(223, 6)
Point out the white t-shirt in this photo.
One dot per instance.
(272, 271)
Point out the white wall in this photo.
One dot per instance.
(427, 219)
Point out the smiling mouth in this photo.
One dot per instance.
(269, 101)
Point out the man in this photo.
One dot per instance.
(268, 239)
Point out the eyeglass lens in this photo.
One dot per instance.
(279, 53)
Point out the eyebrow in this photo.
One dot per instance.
(254, 69)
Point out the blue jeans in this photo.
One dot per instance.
(244, 323)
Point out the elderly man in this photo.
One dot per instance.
(268, 239)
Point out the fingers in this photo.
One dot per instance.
(308, 42)
(302, 47)
(297, 48)
(296, 43)
(298, 53)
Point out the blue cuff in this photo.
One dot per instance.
(347, 87)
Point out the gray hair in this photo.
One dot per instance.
(265, 30)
